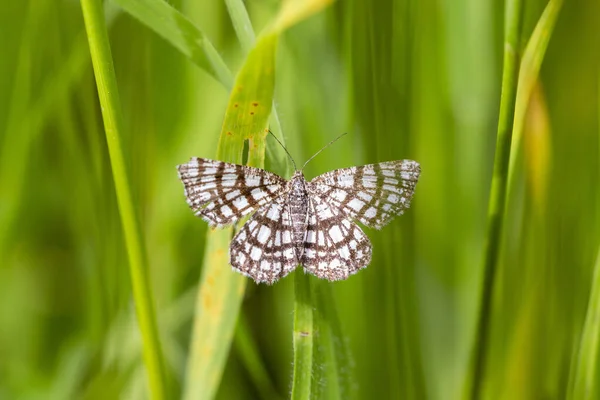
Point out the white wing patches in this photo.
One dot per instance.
(336, 234)
(298, 222)
(264, 233)
(356, 204)
(221, 193)
(274, 212)
(374, 194)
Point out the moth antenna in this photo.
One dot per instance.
(323, 148)
(286, 150)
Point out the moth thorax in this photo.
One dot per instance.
(298, 202)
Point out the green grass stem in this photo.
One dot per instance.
(304, 334)
(93, 14)
(533, 55)
(333, 363)
(496, 205)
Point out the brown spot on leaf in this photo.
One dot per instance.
(207, 301)
(255, 104)
(251, 112)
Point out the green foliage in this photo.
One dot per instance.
(406, 79)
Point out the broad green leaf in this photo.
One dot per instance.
(221, 290)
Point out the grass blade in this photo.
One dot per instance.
(529, 72)
(527, 77)
(510, 77)
(181, 33)
(241, 23)
(93, 14)
(221, 291)
(303, 338)
(333, 364)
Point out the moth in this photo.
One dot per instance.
(299, 222)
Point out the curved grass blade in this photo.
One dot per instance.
(183, 35)
(330, 353)
(93, 14)
(496, 206)
(529, 71)
(508, 151)
(221, 290)
(241, 23)
(174, 27)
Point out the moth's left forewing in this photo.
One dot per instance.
(372, 194)
(222, 193)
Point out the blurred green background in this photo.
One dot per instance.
(417, 79)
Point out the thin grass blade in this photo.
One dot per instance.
(304, 333)
(181, 33)
(332, 372)
(93, 14)
(529, 72)
(496, 205)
